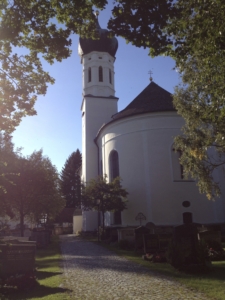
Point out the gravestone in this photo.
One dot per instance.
(164, 241)
(140, 217)
(17, 258)
(151, 243)
(151, 227)
(186, 237)
(127, 234)
(139, 232)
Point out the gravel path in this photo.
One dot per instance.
(93, 272)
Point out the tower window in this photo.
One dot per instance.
(100, 74)
(89, 74)
(110, 76)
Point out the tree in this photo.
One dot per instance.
(34, 191)
(29, 32)
(70, 180)
(7, 156)
(201, 103)
(192, 32)
(104, 196)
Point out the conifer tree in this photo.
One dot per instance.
(70, 180)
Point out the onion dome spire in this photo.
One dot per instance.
(103, 44)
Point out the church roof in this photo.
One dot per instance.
(152, 99)
(103, 44)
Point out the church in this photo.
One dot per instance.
(137, 145)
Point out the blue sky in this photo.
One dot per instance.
(57, 126)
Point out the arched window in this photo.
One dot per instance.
(100, 74)
(114, 172)
(177, 168)
(110, 76)
(89, 74)
(114, 165)
(187, 218)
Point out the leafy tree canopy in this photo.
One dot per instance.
(192, 32)
(103, 195)
(31, 189)
(70, 180)
(33, 29)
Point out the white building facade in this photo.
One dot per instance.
(137, 145)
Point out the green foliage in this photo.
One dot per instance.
(201, 104)
(29, 32)
(104, 196)
(31, 188)
(143, 23)
(182, 259)
(70, 180)
(192, 32)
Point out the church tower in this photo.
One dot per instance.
(99, 102)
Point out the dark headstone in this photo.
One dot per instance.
(139, 232)
(186, 237)
(151, 243)
(164, 241)
(17, 259)
(151, 227)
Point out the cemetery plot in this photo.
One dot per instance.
(151, 243)
(17, 263)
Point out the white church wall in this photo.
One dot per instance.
(77, 224)
(98, 105)
(90, 221)
(144, 147)
(93, 118)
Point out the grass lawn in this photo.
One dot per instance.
(211, 283)
(49, 277)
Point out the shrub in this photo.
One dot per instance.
(215, 251)
(182, 259)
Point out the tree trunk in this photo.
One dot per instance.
(103, 225)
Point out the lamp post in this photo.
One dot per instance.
(98, 203)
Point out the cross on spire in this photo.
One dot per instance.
(150, 73)
(96, 14)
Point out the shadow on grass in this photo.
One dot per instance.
(38, 291)
(45, 274)
(46, 263)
